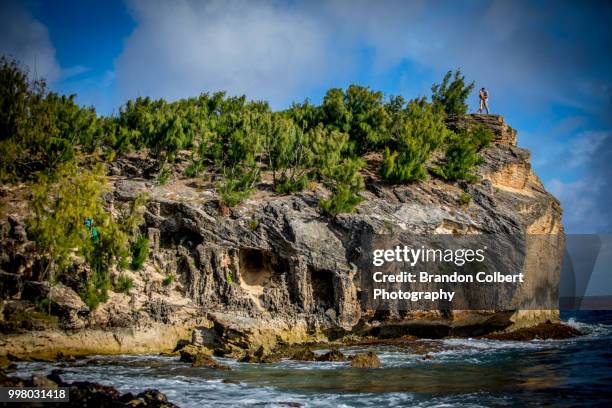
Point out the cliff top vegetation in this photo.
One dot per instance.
(59, 148)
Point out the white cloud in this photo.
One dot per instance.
(582, 212)
(510, 47)
(26, 39)
(582, 149)
(279, 51)
(258, 49)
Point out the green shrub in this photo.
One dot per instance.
(461, 155)
(194, 169)
(124, 284)
(291, 185)
(305, 115)
(163, 175)
(96, 289)
(345, 183)
(163, 127)
(407, 164)
(233, 191)
(253, 224)
(240, 148)
(168, 280)
(58, 210)
(423, 130)
(480, 137)
(287, 153)
(450, 96)
(359, 112)
(39, 130)
(465, 198)
(328, 148)
(140, 252)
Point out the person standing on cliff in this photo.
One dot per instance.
(484, 100)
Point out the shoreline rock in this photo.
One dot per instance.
(85, 393)
(365, 360)
(544, 331)
(333, 355)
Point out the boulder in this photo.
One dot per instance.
(304, 354)
(332, 355)
(190, 353)
(68, 306)
(365, 360)
(182, 343)
(35, 291)
(66, 358)
(90, 394)
(544, 331)
(208, 362)
(154, 398)
(260, 356)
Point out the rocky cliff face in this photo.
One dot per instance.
(274, 270)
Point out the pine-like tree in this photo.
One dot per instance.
(421, 131)
(451, 95)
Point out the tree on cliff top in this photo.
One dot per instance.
(419, 133)
(39, 130)
(452, 93)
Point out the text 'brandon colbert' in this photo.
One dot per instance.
(425, 277)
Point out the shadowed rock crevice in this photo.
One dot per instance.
(324, 287)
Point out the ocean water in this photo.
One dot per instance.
(430, 373)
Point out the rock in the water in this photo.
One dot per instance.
(332, 355)
(304, 354)
(366, 360)
(153, 397)
(68, 358)
(544, 331)
(85, 393)
(181, 344)
(260, 356)
(89, 394)
(190, 353)
(209, 362)
(42, 382)
(200, 356)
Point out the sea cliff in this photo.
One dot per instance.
(273, 270)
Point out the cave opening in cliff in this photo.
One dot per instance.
(260, 268)
(322, 283)
(183, 236)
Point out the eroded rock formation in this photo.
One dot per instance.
(274, 270)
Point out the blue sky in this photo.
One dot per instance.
(547, 65)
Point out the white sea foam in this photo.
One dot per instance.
(590, 329)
